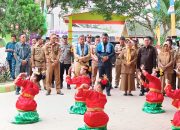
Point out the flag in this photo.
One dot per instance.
(45, 16)
(171, 7)
(157, 30)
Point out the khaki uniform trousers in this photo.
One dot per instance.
(163, 79)
(117, 74)
(127, 82)
(49, 74)
(94, 71)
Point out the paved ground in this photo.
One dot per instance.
(124, 112)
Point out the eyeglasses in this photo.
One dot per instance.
(89, 37)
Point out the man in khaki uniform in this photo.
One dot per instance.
(52, 54)
(33, 44)
(94, 59)
(173, 52)
(38, 58)
(136, 47)
(177, 66)
(118, 51)
(82, 54)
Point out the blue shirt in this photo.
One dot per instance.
(22, 52)
(105, 50)
(10, 45)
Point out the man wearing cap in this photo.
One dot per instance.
(57, 39)
(94, 59)
(38, 58)
(89, 39)
(33, 43)
(82, 54)
(90, 43)
(65, 58)
(118, 51)
(52, 54)
(105, 52)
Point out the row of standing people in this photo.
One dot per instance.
(130, 58)
(47, 58)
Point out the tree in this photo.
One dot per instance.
(22, 16)
(143, 12)
(154, 16)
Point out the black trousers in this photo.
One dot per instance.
(90, 65)
(63, 67)
(143, 90)
(107, 71)
(174, 80)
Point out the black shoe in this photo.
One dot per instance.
(125, 94)
(68, 86)
(48, 93)
(141, 94)
(115, 86)
(130, 94)
(60, 93)
(108, 94)
(17, 93)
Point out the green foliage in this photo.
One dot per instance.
(22, 16)
(143, 12)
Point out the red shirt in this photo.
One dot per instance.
(95, 117)
(79, 80)
(26, 100)
(154, 82)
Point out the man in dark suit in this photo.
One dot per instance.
(147, 56)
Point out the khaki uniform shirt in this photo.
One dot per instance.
(38, 56)
(118, 51)
(177, 58)
(132, 67)
(52, 52)
(166, 59)
(93, 54)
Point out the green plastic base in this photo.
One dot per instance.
(78, 108)
(153, 108)
(26, 117)
(87, 128)
(175, 128)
